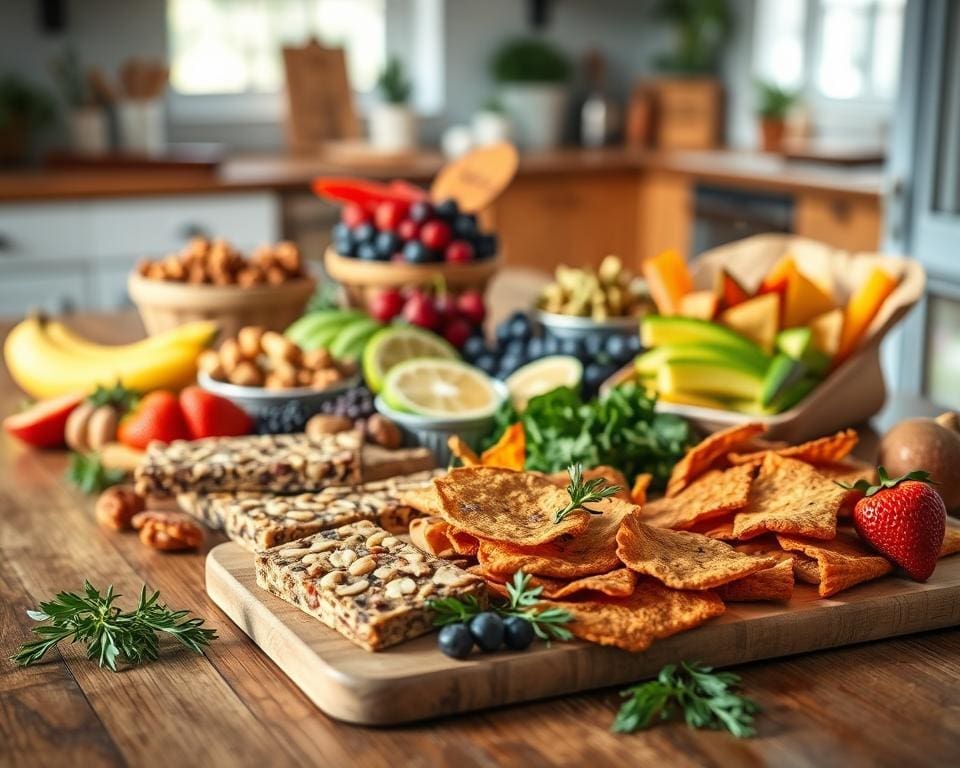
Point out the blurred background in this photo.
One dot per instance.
(127, 128)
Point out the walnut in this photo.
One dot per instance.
(116, 507)
(383, 432)
(168, 531)
(327, 424)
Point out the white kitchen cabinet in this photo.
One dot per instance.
(64, 286)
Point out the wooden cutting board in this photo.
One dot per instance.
(414, 681)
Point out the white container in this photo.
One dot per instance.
(538, 112)
(456, 140)
(142, 126)
(88, 131)
(490, 128)
(393, 127)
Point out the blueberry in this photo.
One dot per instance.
(416, 252)
(364, 233)
(534, 348)
(340, 230)
(367, 252)
(574, 348)
(517, 633)
(485, 246)
(486, 363)
(515, 348)
(344, 246)
(594, 344)
(386, 243)
(455, 641)
(474, 347)
(447, 210)
(634, 344)
(508, 364)
(502, 332)
(283, 419)
(616, 347)
(420, 211)
(551, 345)
(520, 327)
(486, 629)
(465, 226)
(593, 376)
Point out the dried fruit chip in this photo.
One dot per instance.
(592, 552)
(618, 583)
(709, 496)
(459, 448)
(681, 559)
(424, 500)
(849, 471)
(771, 584)
(430, 535)
(610, 476)
(824, 450)
(768, 546)
(510, 451)
(841, 563)
(632, 623)
(641, 484)
(503, 505)
(805, 568)
(951, 542)
(790, 497)
(462, 542)
(699, 458)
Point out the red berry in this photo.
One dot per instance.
(470, 305)
(209, 415)
(408, 230)
(446, 307)
(389, 214)
(43, 424)
(435, 235)
(419, 310)
(457, 331)
(385, 305)
(458, 252)
(354, 215)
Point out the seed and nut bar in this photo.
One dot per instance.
(278, 463)
(362, 581)
(259, 521)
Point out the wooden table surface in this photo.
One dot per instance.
(893, 703)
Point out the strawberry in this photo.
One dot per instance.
(209, 415)
(903, 519)
(158, 416)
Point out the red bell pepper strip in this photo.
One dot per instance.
(364, 193)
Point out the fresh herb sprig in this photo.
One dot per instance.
(86, 471)
(522, 601)
(109, 634)
(707, 699)
(583, 493)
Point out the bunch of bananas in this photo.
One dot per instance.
(46, 359)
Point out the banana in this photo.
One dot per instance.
(43, 368)
(198, 333)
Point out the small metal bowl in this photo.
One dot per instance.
(573, 327)
(258, 401)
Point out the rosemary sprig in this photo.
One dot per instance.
(522, 602)
(110, 634)
(582, 493)
(706, 698)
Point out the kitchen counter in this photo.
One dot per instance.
(883, 703)
(282, 173)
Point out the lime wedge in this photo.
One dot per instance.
(396, 345)
(542, 376)
(440, 389)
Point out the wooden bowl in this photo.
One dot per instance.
(165, 305)
(360, 278)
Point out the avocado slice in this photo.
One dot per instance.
(650, 361)
(798, 344)
(349, 343)
(660, 330)
(728, 379)
(783, 372)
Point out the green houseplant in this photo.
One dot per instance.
(25, 109)
(773, 104)
(700, 29)
(393, 125)
(532, 76)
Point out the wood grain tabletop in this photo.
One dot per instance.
(895, 702)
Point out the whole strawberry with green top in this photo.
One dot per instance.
(902, 518)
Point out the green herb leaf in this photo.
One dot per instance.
(583, 493)
(87, 472)
(886, 482)
(705, 698)
(109, 634)
(118, 396)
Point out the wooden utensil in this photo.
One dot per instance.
(477, 178)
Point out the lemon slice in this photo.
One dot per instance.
(393, 346)
(542, 376)
(440, 389)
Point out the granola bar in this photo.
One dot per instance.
(259, 521)
(279, 463)
(363, 582)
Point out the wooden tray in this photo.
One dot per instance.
(414, 681)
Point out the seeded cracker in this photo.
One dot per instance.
(709, 496)
(771, 584)
(651, 613)
(842, 562)
(609, 475)
(790, 497)
(618, 583)
(951, 541)
(592, 552)
(502, 505)
(680, 559)
(700, 458)
(824, 450)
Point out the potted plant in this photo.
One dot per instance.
(86, 120)
(24, 109)
(532, 75)
(491, 124)
(393, 125)
(773, 104)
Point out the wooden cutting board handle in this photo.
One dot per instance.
(477, 178)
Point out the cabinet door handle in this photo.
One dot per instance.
(6, 245)
(193, 229)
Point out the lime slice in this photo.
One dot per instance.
(542, 376)
(440, 389)
(396, 345)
